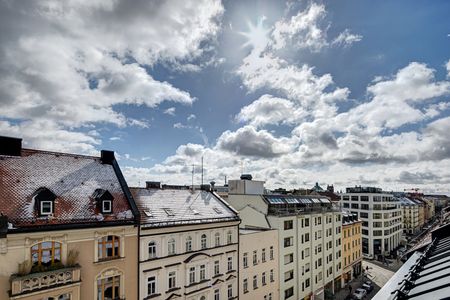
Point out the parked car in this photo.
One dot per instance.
(359, 294)
(367, 287)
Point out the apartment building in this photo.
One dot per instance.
(351, 247)
(67, 226)
(309, 236)
(411, 212)
(258, 268)
(381, 216)
(188, 244)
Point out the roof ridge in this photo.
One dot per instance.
(59, 153)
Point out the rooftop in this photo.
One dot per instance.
(67, 179)
(171, 207)
(425, 275)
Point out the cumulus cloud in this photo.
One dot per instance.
(70, 63)
(170, 111)
(248, 141)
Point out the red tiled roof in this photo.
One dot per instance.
(72, 178)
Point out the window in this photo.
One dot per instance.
(169, 212)
(288, 224)
(216, 267)
(263, 255)
(306, 237)
(216, 294)
(203, 241)
(272, 279)
(46, 208)
(307, 283)
(307, 252)
(245, 260)
(106, 206)
(288, 293)
(151, 250)
(288, 258)
(271, 253)
(255, 257)
(171, 247)
(191, 275)
(270, 296)
(188, 244)
(217, 239)
(289, 241)
(46, 253)
(230, 291)
(245, 285)
(108, 247)
(230, 263)
(172, 279)
(288, 275)
(307, 267)
(255, 282)
(109, 288)
(229, 237)
(263, 278)
(202, 272)
(151, 285)
(307, 222)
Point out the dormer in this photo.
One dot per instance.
(104, 201)
(44, 200)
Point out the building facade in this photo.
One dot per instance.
(309, 236)
(381, 216)
(258, 268)
(188, 244)
(411, 215)
(68, 226)
(351, 247)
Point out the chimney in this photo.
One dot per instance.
(246, 177)
(10, 146)
(205, 187)
(3, 226)
(212, 183)
(152, 185)
(107, 157)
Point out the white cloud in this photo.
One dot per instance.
(301, 30)
(346, 39)
(70, 63)
(448, 68)
(170, 111)
(115, 138)
(191, 117)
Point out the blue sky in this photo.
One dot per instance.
(339, 92)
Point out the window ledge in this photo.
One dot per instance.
(152, 296)
(173, 289)
(109, 259)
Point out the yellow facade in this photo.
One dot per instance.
(351, 250)
(76, 282)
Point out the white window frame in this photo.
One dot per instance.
(172, 277)
(217, 239)
(216, 267)
(203, 241)
(171, 247)
(192, 275)
(202, 272)
(103, 206)
(148, 285)
(188, 244)
(153, 246)
(229, 263)
(42, 206)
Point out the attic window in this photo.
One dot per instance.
(217, 210)
(169, 212)
(148, 213)
(104, 200)
(44, 201)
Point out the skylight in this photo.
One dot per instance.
(169, 212)
(148, 213)
(217, 210)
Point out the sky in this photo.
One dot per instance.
(336, 92)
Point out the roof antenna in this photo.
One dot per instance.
(193, 171)
(202, 170)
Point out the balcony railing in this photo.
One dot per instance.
(44, 280)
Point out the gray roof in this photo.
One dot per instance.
(171, 207)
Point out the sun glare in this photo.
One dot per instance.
(256, 35)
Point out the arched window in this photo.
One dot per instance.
(203, 242)
(202, 298)
(229, 237)
(152, 249)
(217, 239)
(188, 244)
(46, 253)
(108, 247)
(171, 246)
(108, 285)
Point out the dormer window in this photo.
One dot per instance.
(104, 200)
(44, 201)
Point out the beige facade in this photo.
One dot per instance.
(351, 248)
(258, 268)
(79, 281)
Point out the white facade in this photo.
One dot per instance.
(381, 216)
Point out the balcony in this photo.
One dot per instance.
(23, 284)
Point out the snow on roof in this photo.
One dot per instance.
(165, 207)
(72, 178)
